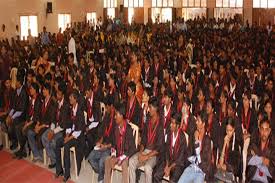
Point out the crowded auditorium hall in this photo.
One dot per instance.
(137, 91)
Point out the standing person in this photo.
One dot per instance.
(45, 40)
(261, 155)
(59, 37)
(123, 148)
(176, 153)
(151, 144)
(72, 46)
(5, 64)
(200, 153)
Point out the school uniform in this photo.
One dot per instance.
(175, 152)
(133, 112)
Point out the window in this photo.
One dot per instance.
(111, 13)
(28, 23)
(227, 12)
(64, 21)
(229, 3)
(161, 14)
(263, 3)
(133, 3)
(110, 3)
(91, 18)
(194, 3)
(162, 3)
(191, 13)
(130, 15)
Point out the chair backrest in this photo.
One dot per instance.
(85, 117)
(187, 138)
(135, 132)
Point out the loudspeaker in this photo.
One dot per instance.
(49, 7)
(121, 8)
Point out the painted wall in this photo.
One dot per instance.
(10, 11)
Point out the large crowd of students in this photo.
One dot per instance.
(201, 93)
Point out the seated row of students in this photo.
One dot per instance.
(212, 143)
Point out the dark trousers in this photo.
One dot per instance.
(174, 174)
(12, 130)
(22, 139)
(90, 141)
(78, 144)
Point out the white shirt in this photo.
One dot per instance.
(72, 49)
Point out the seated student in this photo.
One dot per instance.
(200, 154)
(230, 155)
(16, 115)
(188, 122)
(6, 99)
(61, 122)
(151, 144)
(74, 137)
(261, 155)
(175, 155)
(46, 117)
(104, 141)
(32, 117)
(133, 106)
(123, 148)
(93, 117)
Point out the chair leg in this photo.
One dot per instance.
(6, 140)
(62, 156)
(31, 156)
(44, 157)
(112, 174)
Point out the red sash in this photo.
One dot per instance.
(246, 121)
(121, 136)
(152, 132)
(131, 110)
(174, 150)
(108, 130)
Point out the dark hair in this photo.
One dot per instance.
(20, 79)
(232, 103)
(48, 87)
(31, 72)
(177, 117)
(203, 115)
(48, 77)
(120, 108)
(169, 93)
(71, 55)
(75, 94)
(148, 91)
(265, 121)
(225, 94)
(35, 86)
(154, 102)
(187, 101)
(211, 102)
(132, 86)
(231, 122)
(108, 100)
(62, 87)
(247, 93)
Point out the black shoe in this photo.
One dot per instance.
(1, 147)
(13, 147)
(22, 155)
(66, 179)
(58, 174)
(51, 166)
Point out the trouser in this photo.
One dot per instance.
(22, 135)
(78, 144)
(134, 164)
(97, 160)
(37, 153)
(108, 170)
(90, 139)
(12, 131)
(51, 145)
(174, 174)
(191, 175)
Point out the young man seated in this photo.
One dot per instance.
(199, 154)
(124, 146)
(46, 117)
(151, 144)
(105, 140)
(61, 122)
(175, 155)
(74, 137)
(261, 155)
(32, 116)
